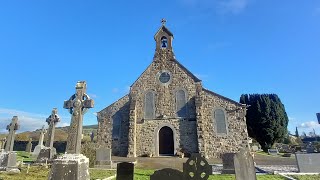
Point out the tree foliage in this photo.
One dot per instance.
(267, 119)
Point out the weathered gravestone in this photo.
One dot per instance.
(8, 158)
(167, 174)
(47, 153)
(308, 163)
(40, 145)
(196, 168)
(273, 152)
(103, 158)
(73, 165)
(255, 148)
(228, 163)
(29, 146)
(244, 165)
(125, 171)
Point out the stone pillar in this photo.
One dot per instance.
(200, 125)
(73, 165)
(2, 143)
(8, 158)
(132, 138)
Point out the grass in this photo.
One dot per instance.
(24, 156)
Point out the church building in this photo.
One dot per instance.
(168, 110)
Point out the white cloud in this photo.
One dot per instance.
(93, 96)
(309, 125)
(28, 121)
(201, 76)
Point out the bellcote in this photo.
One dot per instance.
(163, 37)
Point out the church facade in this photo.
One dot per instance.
(168, 110)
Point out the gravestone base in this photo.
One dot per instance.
(103, 164)
(46, 155)
(37, 150)
(8, 162)
(70, 167)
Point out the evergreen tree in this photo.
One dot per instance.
(297, 133)
(267, 119)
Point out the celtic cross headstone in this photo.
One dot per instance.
(78, 104)
(52, 120)
(12, 127)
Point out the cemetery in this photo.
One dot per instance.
(167, 127)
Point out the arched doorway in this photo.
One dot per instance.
(166, 143)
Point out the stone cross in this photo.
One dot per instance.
(163, 21)
(78, 104)
(3, 142)
(52, 120)
(42, 132)
(12, 127)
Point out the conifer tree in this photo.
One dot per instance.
(267, 119)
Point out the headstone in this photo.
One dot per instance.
(167, 174)
(308, 163)
(310, 148)
(47, 153)
(244, 165)
(29, 146)
(125, 171)
(8, 158)
(228, 163)
(103, 158)
(196, 168)
(273, 152)
(73, 165)
(40, 145)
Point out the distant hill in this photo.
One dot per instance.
(61, 133)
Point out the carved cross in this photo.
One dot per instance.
(52, 120)
(12, 127)
(78, 104)
(42, 132)
(163, 21)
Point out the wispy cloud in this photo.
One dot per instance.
(28, 121)
(309, 125)
(201, 76)
(94, 96)
(218, 6)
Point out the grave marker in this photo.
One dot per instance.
(29, 146)
(103, 158)
(228, 163)
(244, 165)
(167, 174)
(8, 158)
(308, 163)
(273, 152)
(73, 165)
(40, 145)
(125, 171)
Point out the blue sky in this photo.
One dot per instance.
(234, 46)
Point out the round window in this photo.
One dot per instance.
(164, 77)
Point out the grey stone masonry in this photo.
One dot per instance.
(78, 104)
(12, 127)
(52, 120)
(168, 95)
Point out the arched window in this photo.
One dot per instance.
(220, 119)
(181, 103)
(149, 108)
(164, 42)
(116, 126)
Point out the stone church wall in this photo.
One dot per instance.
(105, 124)
(236, 137)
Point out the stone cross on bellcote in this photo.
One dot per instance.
(12, 127)
(78, 104)
(52, 120)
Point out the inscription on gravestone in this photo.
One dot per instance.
(125, 171)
